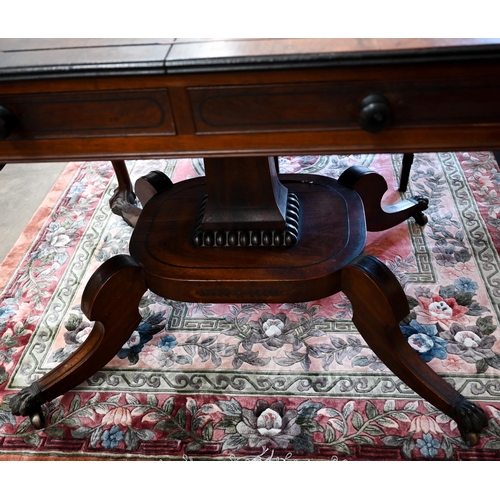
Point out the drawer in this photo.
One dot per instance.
(336, 106)
(90, 114)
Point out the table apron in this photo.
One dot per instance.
(431, 108)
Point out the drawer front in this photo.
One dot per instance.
(336, 106)
(90, 114)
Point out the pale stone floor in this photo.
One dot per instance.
(23, 187)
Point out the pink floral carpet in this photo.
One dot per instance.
(259, 381)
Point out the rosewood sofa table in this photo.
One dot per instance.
(244, 232)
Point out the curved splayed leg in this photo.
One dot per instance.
(111, 299)
(379, 304)
(371, 186)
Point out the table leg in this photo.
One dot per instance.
(111, 299)
(124, 190)
(379, 304)
(371, 186)
(405, 171)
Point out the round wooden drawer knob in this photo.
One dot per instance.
(8, 122)
(374, 113)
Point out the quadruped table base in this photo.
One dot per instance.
(244, 233)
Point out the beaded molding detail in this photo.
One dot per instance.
(251, 237)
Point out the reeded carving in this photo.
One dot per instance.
(253, 237)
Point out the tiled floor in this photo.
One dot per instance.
(23, 187)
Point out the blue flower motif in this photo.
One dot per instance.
(167, 342)
(424, 339)
(53, 227)
(76, 191)
(6, 312)
(143, 334)
(111, 437)
(136, 342)
(428, 446)
(466, 285)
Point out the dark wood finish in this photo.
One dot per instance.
(405, 171)
(124, 190)
(175, 268)
(150, 184)
(88, 114)
(250, 98)
(8, 122)
(23, 58)
(371, 187)
(119, 279)
(497, 156)
(281, 96)
(195, 55)
(342, 105)
(255, 200)
(326, 259)
(379, 304)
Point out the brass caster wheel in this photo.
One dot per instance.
(470, 438)
(37, 420)
(471, 420)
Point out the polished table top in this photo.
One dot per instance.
(22, 58)
(79, 98)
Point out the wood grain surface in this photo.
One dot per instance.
(85, 99)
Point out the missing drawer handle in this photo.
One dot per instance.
(8, 122)
(374, 113)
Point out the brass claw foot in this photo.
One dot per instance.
(470, 419)
(423, 202)
(419, 217)
(28, 403)
(128, 212)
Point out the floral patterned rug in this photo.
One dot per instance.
(259, 381)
